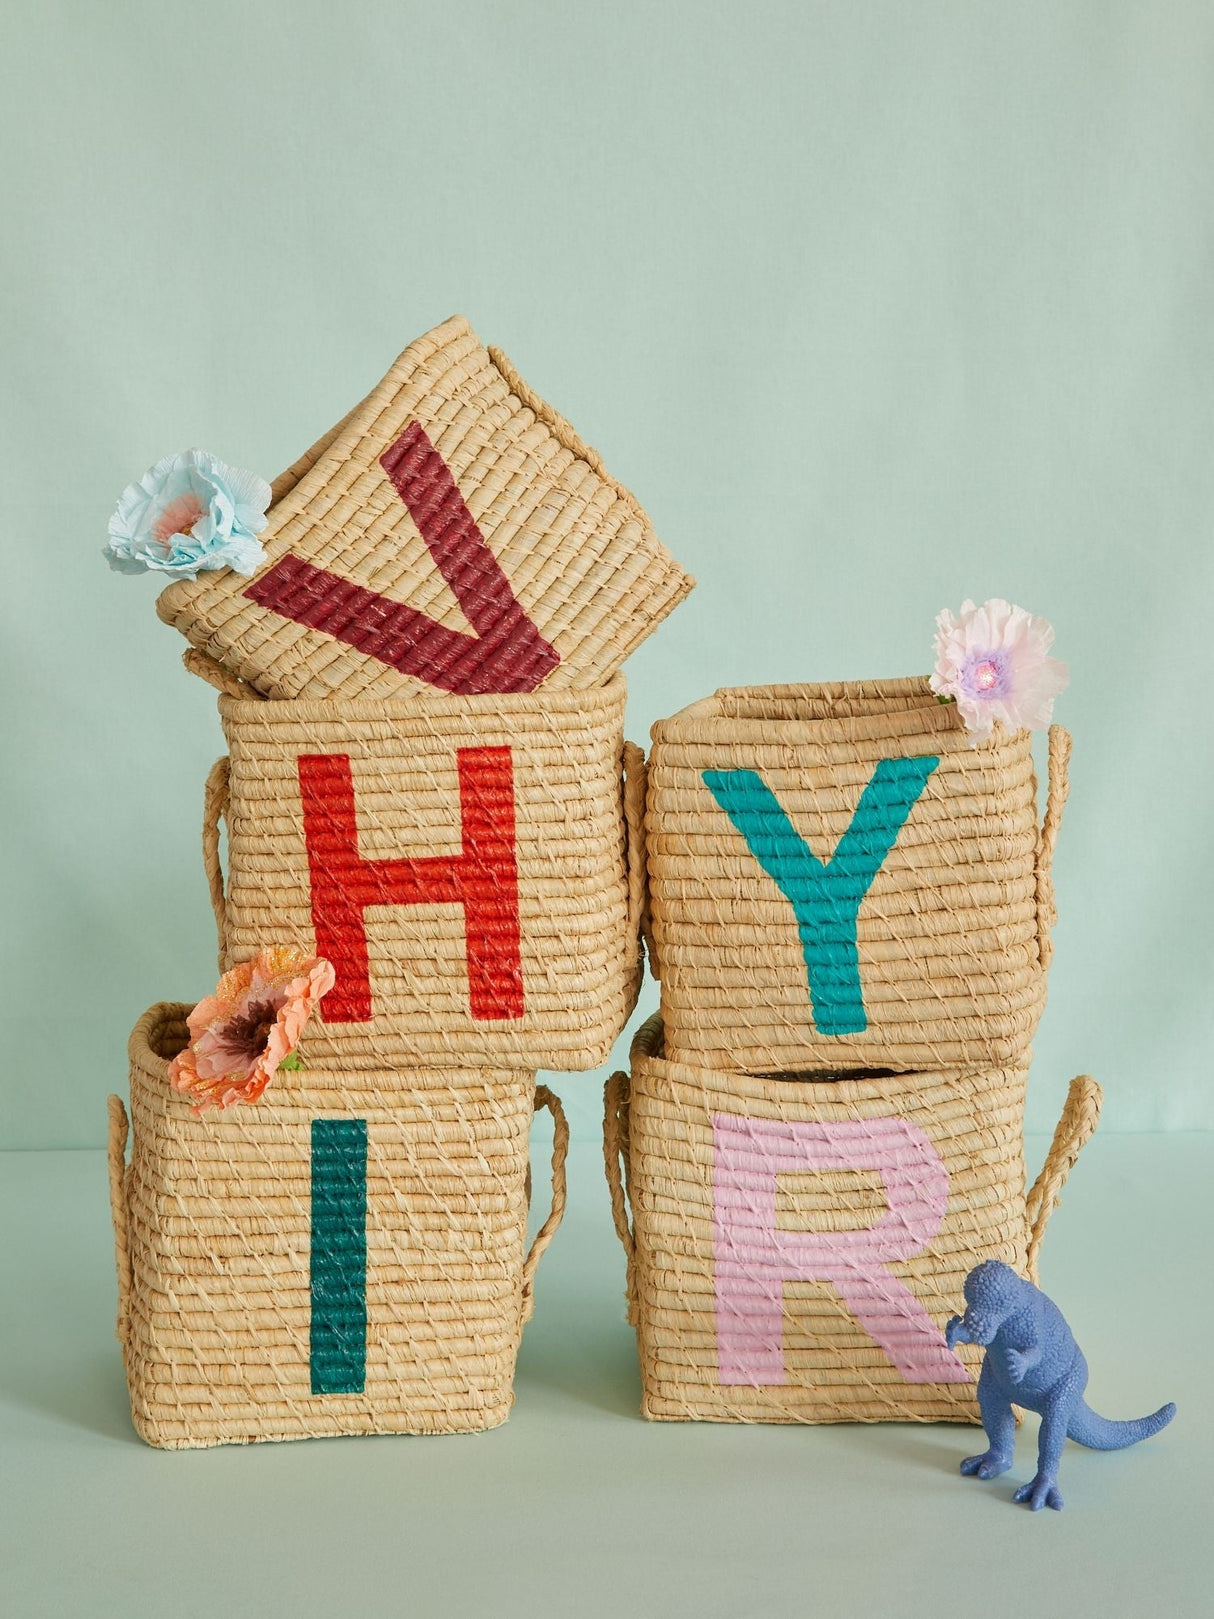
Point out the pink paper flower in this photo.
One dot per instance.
(241, 1035)
(994, 662)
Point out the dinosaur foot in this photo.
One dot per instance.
(1040, 1492)
(988, 1465)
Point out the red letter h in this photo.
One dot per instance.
(483, 878)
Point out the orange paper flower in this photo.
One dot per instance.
(240, 1036)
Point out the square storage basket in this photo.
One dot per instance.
(796, 1246)
(345, 1256)
(839, 878)
(473, 868)
(452, 532)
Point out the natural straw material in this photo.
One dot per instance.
(228, 1272)
(452, 531)
(920, 936)
(473, 867)
(724, 1169)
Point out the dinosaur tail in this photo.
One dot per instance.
(1086, 1427)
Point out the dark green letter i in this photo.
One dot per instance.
(338, 1341)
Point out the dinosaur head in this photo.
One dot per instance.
(993, 1292)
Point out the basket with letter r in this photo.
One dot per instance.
(796, 1245)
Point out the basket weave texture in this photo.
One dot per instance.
(840, 879)
(453, 531)
(241, 1278)
(796, 1246)
(473, 867)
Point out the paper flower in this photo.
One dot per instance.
(188, 513)
(994, 662)
(247, 1030)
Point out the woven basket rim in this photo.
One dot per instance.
(573, 700)
(647, 1052)
(145, 1046)
(873, 709)
(147, 1055)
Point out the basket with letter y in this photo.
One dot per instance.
(840, 878)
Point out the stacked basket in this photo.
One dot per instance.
(455, 822)
(823, 1131)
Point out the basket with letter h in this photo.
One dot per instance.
(473, 867)
(840, 878)
(348, 1255)
(797, 1244)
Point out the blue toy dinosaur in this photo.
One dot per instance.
(1032, 1359)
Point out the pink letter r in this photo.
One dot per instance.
(754, 1258)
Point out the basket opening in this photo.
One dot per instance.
(169, 1038)
(826, 1076)
(844, 701)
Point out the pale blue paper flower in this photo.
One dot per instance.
(188, 513)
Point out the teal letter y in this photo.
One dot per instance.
(825, 898)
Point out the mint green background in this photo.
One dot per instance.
(876, 306)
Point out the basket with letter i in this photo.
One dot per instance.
(346, 1255)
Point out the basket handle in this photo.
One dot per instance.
(215, 809)
(635, 786)
(118, 1209)
(616, 1099)
(560, 1148)
(1080, 1116)
(1055, 803)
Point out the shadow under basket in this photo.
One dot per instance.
(797, 1246)
(348, 1255)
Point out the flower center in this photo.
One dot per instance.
(178, 517)
(986, 676)
(249, 1034)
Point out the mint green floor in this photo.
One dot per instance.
(579, 1507)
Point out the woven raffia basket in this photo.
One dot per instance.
(840, 879)
(453, 531)
(473, 867)
(797, 1246)
(345, 1256)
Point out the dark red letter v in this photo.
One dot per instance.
(507, 653)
